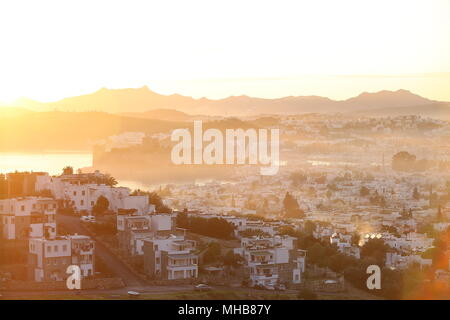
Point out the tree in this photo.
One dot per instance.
(364, 191)
(376, 249)
(416, 194)
(403, 161)
(214, 227)
(321, 180)
(332, 187)
(317, 254)
(298, 178)
(101, 205)
(355, 238)
(212, 253)
(339, 262)
(291, 209)
(440, 217)
(155, 199)
(182, 220)
(329, 194)
(110, 181)
(378, 199)
(67, 170)
(406, 214)
(310, 227)
(166, 192)
(231, 259)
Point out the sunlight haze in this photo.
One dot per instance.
(51, 50)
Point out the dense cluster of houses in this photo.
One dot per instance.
(81, 191)
(272, 261)
(344, 204)
(32, 219)
(166, 254)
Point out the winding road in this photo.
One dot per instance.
(130, 279)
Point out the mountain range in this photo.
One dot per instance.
(144, 103)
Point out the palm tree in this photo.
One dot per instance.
(67, 170)
(110, 181)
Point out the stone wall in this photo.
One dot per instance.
(103, 283)
(172, 282)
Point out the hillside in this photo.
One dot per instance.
(168, 115)
(56, 130)
(143, 100)
(436, 110)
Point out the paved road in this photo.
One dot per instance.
(99, 292)
(131, 280)
(122, 292)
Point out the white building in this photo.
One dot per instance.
(170, 257)
(273, 260)
(28, 217)
(133, 229)
(81, 191)
(49, 258)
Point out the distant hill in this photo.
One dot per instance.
(56, 130)
(168, 115)
(143, 100)
(435, 110)
(385, 99)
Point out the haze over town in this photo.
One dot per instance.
(355, 92)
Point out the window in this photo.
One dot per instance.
(64, 247)
(74, 193)
(158, 261)
(49, 249)
(56, 248)
(22, 208)
(83, 193)
(82, 203)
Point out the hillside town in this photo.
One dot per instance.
(309, 231)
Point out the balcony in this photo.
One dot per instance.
(182, 261)
(182, 267)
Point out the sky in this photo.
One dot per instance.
(54, 49)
